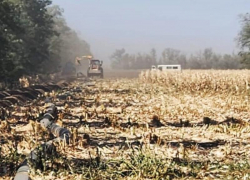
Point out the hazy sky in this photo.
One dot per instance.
(139, 25)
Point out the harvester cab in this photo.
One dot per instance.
(95, 66)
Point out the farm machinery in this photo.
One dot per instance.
(95, 66)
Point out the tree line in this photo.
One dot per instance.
(35, 38)
(206, 59)
(244, 40)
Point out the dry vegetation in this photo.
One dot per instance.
(201, 81)
(189, 125)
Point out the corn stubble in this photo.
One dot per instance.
(189, 125)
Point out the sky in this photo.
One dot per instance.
(140, 25)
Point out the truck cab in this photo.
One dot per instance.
(95, 68)
(176, 67)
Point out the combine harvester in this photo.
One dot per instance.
(95, 66)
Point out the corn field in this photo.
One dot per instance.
(188, 125)
(221, 81)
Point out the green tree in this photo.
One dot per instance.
(244, 40)
(66, 44)
(35, 38)
(26, 29)
(116, 58)
(10, 38)
(173, 56)
(38, 26)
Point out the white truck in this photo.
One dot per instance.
(175, 67)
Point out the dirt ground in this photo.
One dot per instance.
(116, 73)
(110, 73)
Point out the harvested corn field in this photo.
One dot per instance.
(159, 126)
